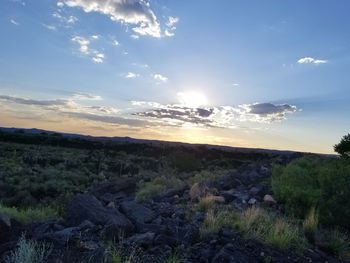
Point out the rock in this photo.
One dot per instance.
(87, 207)
(255, 190)
(88, 245)
(5, 227)
(229, 254)
(115, 186)
(111, 205)
(228, 195)
(145, 239)
(252, 201)
(137, 212)
(198, 190)
(269, 200)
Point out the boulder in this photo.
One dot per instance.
(252, 201)
(145, 239)
(198, 190)
(229, 254)
(5, 227)
(137, 212)
(118, 186)
(87, 207)
(269, 200)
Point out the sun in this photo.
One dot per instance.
(192, 99)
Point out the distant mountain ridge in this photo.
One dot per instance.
(148, 141)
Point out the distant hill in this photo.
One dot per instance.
(145, 141)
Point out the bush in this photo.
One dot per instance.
(343, 147)
(29, 215)
(315, 182)
(29, 251)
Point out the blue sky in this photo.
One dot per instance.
(271, 74)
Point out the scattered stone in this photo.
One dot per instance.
(137, 212)
(252, 201)
(269, 200)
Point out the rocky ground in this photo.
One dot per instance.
(153, 230)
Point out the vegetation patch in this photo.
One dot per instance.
(29, 215)
(258, 224)
(29, 251)
(315, 182)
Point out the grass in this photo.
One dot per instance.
(256, 223)
(29, 215)
(336, 242)
(174, 258)
(203, 176)
(29, 251)
(158, 185)
(310, 225)
(206, 203)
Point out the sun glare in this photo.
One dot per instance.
(192, 99)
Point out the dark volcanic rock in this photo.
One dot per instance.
(115, 186)
(87, 207)
(229, 254)
(145, 239)
(137, 212)
(5, 227)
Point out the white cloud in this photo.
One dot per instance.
(169, 33)
(50, 27)
(235, 84)
(95, 37)
(60, 4)
(98, 57)
(172, 21)
(310, 60)
(132, 75)
(83, 44)
(85, 96)
(160, 77)
(14, 22)
(67, 20)
(84, 48)
(135, 36)
(115, 43)
(133, 12)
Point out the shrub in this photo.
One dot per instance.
(315, 182)
(29, 251)
(29, 215)
(343, 147)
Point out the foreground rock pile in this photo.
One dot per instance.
(154, 230)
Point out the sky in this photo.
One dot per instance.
(263, 74)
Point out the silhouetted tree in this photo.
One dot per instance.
(343, 147)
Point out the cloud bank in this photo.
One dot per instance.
(131, 12)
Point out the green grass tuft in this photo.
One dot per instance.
(29, 215)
